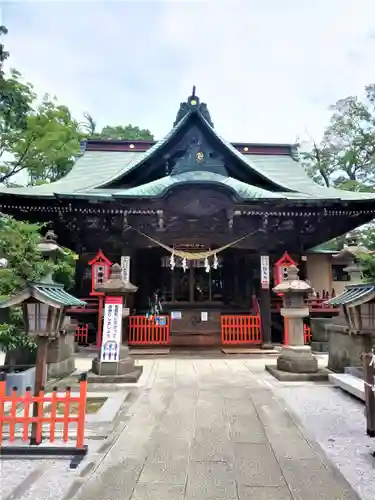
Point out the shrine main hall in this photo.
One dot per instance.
(201, 226)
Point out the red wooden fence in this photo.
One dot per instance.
(82, 334)
(148, 331)
(241, 329)
(41, 417)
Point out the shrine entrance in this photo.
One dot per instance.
(197, 294)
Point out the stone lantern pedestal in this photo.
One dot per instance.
(115, 365)
(296, 361)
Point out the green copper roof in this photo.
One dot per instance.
(95, 171)
(354, 295)
(56, 293)
(52, 294)
(160, 186)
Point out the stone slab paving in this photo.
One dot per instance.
(211, 429)
(336, 421)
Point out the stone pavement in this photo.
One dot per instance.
(211, 429)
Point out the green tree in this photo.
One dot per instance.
(367, 262)
(15, 98)
(38, 139)
(128, 132)
(89, 125)
(45, 149)
(344, 158)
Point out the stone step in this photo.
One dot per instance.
(348, 383)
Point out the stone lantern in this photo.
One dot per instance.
(351, 252)
(114, 363)
(295, 357)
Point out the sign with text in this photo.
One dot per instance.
(112, 329)
(125, 267)
(265, 271)
(176, 315)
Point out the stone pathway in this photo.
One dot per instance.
(211, 429)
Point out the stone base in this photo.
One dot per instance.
(121, 371)
(297, 359)
(319, 346)
(126, 378)
(61, 368)
(267, 347)
(121, 367)
(318, 376)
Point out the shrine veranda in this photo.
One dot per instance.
(208, 225)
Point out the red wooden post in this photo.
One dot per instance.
(81, 411)
(2, 402)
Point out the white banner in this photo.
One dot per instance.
(265, 271)
(112, 330)
(125, 268)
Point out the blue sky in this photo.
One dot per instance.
(267, 69)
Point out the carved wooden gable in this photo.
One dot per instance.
(194, 153)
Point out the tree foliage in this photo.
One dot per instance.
(344, 158)
(367, 262)
(15, 101)
(119, 132)
(37, 138)
(127, 132)
(45, 147)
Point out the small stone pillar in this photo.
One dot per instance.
(123, 369)
(295, 357)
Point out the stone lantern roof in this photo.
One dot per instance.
(115, 283)
(293, 284)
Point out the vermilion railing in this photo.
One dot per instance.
(148, 331)
(307, 334)
(82, 334)
(42, 417)
(314, 303)
(241, 329)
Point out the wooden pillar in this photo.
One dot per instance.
(40, 373)
(235, 277)
(265, 301)
(191, 283)
(265, 312)
(173, 292)
(369, 372)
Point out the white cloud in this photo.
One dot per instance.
(267, 70)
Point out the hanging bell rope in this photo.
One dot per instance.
(194, 255)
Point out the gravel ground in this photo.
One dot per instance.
(336, 421)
